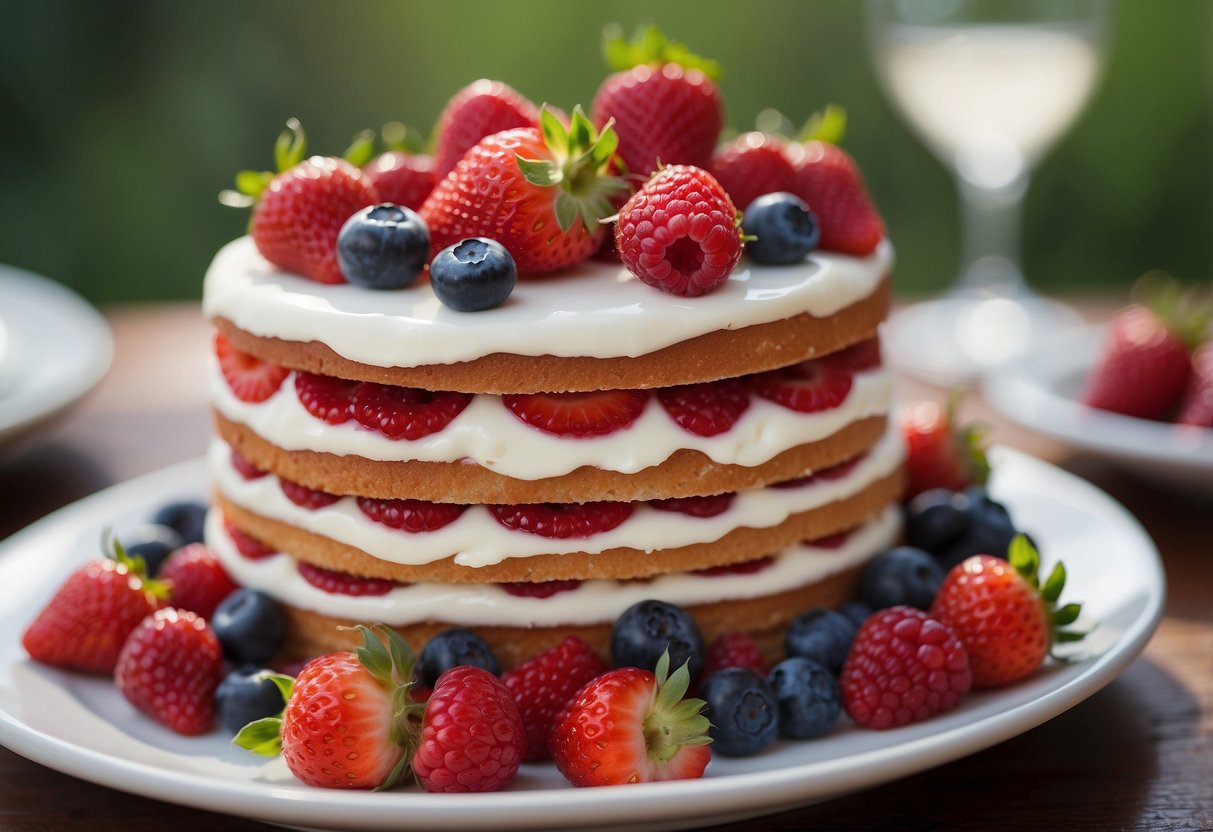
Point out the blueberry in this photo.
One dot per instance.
(647, 629)
(856, 611)
(936, 517)
(473, 275)
(250, 626)
(453, 647)
(246, 695)
(821, 635)
(383, 247)
(902, 575)
(988, 530)
(784, 228)
(808, 697)
(152, 542)
(742, 710)
(186, 517)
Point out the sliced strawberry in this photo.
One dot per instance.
(706, 506)
(808, 387)
(544, 684)
(327, 398)
(244, 468)
(539, 589)
(413, 516)
(250, 379)
(248, 547)
(706, 409)
(343, 583)
(405, 412)
(305, 497)
(579, 414)
(563, 520)
(748, 567)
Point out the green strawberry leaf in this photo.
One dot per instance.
(540, 172)
(650, 46)
(263, 736)
(251, 183)
(374, 657)
(581, 132)
(1064, 616)
(566, 210)
(555, 136)
(400, 137)
(1054, 584)
(1068, 636)
(1024, 559)
(361, 149)
(291, 146)
(828, 125)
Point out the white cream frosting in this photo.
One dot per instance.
(477, 539)
(491, 436)
(592, 602)
(593, 310)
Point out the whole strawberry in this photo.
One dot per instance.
(1197, 406)
(940, 453)
(480, 109)
(169, 669)
(84, 626)
(828, 179)
(680, 233)
(632, 726)
(472, 737)
(904, 666)
(666, 107)
(197, 581)
(403, 178)
(1007, 621)
(544, 684)
(751, 165)
(298, 212)
(540, 193)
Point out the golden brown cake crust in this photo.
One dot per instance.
(738, 546)
(764, 618)
(720, 354)
(684, 473)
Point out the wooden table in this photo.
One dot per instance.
(1137, 755)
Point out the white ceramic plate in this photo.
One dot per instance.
(54, 348)
(1039, 391)
(83, 727)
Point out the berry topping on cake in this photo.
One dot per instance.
(544, 684)
(742, 710)
(454, 647)
(402, 174)
(413, 516)
(473, 275)
(751, 165)
(632, 726)
(305, 497)
(828, 179)
(343, 583)
(859, 358)
(539, 589)
(563, 520)
(594, 413)
(807, 387)
(246, 469)
(745, 567)
(405, 412)
(707, 409)
(480, 109)
(679, 233)
(666, 107)
(904, 667)
(327, 398)
(169, 668)
(298, 212)
(539, 191)
(383, 246)
(781, 229)
(197, 581)
(708, 505)
(250, 379)
(648, 630)
(250, 626)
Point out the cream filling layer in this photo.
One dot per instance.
(592, 602)
(594, 309)
(488, 434)
(476, 539)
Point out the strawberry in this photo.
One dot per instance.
(939, 452)
(708, 505)
(543, 684)
(85, 624)
(903, 667)
(632, 726)
(733, 649)
(680, 232)
(751, 165)
(248, 547)
(169, 668)
(402, 178)
(412, 516)
(706, 409)
(250, 379)
(540, 192)
(246, 469)
(405, 412)
(808, 387)
(666, 107)
(828, 179)
(343, 583)
(1197, 406)
(305, 497)
(594, 413)
(1007, 621)
(197, 581)
(539, 589)
(298, 211)
(563, 520)
(480, 109)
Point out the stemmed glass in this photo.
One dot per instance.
(989, 86)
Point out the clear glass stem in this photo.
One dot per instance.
(990, 226)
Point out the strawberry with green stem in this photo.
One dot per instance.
(941, 452)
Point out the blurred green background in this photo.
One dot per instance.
(122, 121)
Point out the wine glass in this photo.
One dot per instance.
(989, 86)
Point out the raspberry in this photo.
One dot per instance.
(562, 520)
(707, 506)
(808, 387)
(545, 683)
(859, 357)
(539, 589)
(246, 469)
(834, 472)
(748, 567)
(328, 399)
(305, 497)
(833, 541)
(250, 379)
(198, 582)
(405, 412)
(679, 232)
(343, 583)
(904, 667)
(733, 649)
(413, 516)
(579, 414)
(706, 409)
(247, 546)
